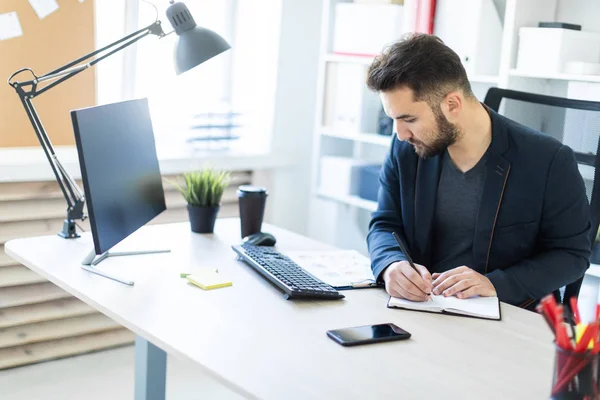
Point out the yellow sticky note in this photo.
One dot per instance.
(208, 280)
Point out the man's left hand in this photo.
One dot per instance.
(463, 282)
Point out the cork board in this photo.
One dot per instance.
(46, 44)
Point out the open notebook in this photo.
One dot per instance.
(478, 307)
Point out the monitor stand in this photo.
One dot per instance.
(90, 261)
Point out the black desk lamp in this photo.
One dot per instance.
(194, 46)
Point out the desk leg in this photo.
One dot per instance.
(150, 371)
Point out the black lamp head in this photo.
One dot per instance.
(194, 44)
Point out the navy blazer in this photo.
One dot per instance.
(532, 234)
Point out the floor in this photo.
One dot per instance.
(104, 375)
(109, 374)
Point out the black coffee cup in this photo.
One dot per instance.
(252, 201)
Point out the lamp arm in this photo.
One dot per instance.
(71, 192)
(154, 28)
(71, 69)
(29, 89)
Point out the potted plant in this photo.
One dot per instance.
(203, 190)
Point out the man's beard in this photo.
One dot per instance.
(447, 135)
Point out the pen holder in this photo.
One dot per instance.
(575, 375)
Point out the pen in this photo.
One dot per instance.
(405, 251)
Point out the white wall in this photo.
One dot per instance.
(583, 12)
(295, 104)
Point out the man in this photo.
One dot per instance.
(485, 206)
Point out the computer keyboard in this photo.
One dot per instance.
(285, 273)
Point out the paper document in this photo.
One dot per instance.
(10, 26)
(43, 8)
(338, 268)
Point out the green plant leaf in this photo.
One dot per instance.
(203, 188)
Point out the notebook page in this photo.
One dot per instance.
(476, 306)
(429, 305)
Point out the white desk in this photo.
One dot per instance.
(263, 346)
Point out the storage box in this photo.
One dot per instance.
(350, 106)
(478, 40)
(365, 29)
(339, 175)
(368, 182)
(547, 50)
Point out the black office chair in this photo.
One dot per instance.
(575, 123)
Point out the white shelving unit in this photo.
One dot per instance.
(492, 79)
(341, 58)
(350, 200)
(594, 271)
(342, 220)
(370, 138)
(561, 77)
(365, 60)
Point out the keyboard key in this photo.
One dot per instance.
(290, 277)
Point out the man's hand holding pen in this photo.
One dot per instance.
(407, 280)
(403, 281)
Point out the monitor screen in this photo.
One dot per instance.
(119, 169)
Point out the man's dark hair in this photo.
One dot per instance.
(422, 63)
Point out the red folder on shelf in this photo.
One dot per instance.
(425, 14)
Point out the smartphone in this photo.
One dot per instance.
(368, 334)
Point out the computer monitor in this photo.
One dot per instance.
(120, 172)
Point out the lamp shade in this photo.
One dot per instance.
(194, 44)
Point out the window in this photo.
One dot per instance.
(175, 100)
(241, 80)
(255, 66)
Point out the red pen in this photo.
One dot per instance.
(549, 312)
(540, 309)
(575, 310)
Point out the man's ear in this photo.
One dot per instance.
(452, 105)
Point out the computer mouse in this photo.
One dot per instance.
(261, 239)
